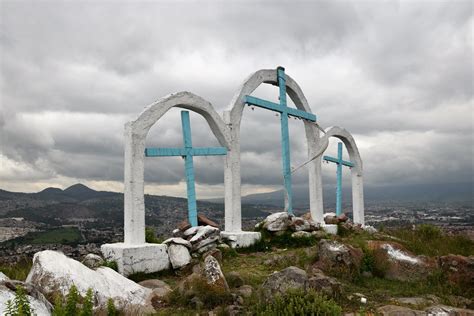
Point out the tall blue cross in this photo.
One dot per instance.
(187, 153)
(339, 162)
(285, 113)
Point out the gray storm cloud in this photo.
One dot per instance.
(397, 74)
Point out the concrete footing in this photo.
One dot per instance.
(241, 239)
(131, 259)
(330, 229)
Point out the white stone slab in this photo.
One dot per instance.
(330, 228)
(130, 259)
(241, 239)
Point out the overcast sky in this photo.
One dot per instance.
(398, 75)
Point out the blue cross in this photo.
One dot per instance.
(339, 162)
(285, 112)
(187, 153)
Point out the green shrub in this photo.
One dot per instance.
(72, 300)
(73, 305)
(110, 264)
(210, 295)
(150, 236)
(111, 310)
(88, 304)
(20, 305)
(298, 302)
(17, 271)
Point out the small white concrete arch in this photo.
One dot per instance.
(233, 219)
(356, 171)
(135, 136)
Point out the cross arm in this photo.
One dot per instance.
(335, 160)
(278, 108)
(164, 152)
(209, 151)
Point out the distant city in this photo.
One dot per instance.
(78, 220)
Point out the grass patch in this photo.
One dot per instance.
(430, 240)
(18, 271)
(298, 302)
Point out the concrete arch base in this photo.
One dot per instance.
(130, 259)
(241, 239)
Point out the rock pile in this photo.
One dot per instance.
(282, 221)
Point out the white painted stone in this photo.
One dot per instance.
(399, 255)
(179, 255)
(177, 241)
(53, 272)
(191, 231)
(130, 259)
(276, 222)
(38, 308)
(330, 229)
(241, 239)
(3, 277)
(203, 232)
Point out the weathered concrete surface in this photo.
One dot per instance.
(241, 239)
(135, 136)
(356, 171)
(146, 257)
(330, 229)
(232, 176)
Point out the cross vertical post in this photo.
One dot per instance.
(285, 113)
(339, 163)
(189, 168)
(187, 153)
(285, 141)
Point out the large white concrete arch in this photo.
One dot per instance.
(135, 136)
(233, 219)
(356, 171)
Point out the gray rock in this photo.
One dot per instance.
(203, 232)
(442, 310)
(319, 234)
(197, 303)
(281, 282)
(160, 288)
(205, 242)
(213, 273)
(179, 255)
(394, 310)
(301, 234)
(299, 224)
(245, 291)
(207, 248)
(93, 261)
(328, 285)
(178, 241)
(277, 222)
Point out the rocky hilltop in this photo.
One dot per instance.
(296, 269)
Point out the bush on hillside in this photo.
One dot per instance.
(20, 306)
(298, 302)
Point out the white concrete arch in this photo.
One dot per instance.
(233, 219)
(356, 171)
(135, 136)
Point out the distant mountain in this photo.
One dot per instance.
(407, 193)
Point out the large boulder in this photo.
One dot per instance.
(39, 307)
(396, 263)
(54, 273)
(281, 282)
(458, 269)
(325, 284)
(337, 258)
(277, 222)
(93, 261)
